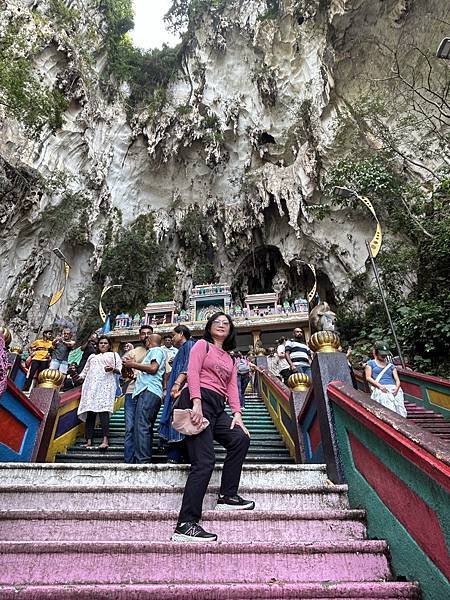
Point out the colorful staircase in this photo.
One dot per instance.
(429, 420)
(266, 446)
(96, 531)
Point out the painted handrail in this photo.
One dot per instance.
(401, 476)
(308, 421)
(281, 405)
(66, 425)
(20, 426)
(427, 390)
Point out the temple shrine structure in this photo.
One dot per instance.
(261, 320)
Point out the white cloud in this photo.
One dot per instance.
(150, 30)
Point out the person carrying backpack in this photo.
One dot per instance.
(243, 376)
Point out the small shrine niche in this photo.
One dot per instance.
(261, 305)
(205, 300)
(159, 313)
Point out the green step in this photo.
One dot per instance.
(266, 444)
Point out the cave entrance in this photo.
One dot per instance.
(263, 270)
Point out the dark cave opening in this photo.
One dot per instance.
(263, 270)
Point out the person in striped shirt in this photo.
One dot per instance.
(298, 354)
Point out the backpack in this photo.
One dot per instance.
(243, 367)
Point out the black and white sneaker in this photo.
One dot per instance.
(192, 532)
(234, 503)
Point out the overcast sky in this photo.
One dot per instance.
(150, 30)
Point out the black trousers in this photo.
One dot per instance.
(200, 449)
(35, 368)
(90, 424)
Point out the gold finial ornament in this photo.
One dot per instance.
(6, 335)
(325, 341)
(16, 350)
(50, 378)
(299, 382)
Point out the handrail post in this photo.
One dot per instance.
(48, 401)
(327, 367)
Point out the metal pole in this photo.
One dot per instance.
(380, 287)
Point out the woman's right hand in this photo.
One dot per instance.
(197, 412)
(383, 389)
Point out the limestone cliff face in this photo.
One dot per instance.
(248, 133)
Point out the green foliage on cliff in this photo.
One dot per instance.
(414, 267)
(146, 72)
(135, 260)
(185, 15)
(23, 93)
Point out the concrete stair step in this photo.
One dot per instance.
(261, 440)
(157, 526)
(162, 459)
(25, 563)
(253, 450)
(383, 590)
(168, 497)
(52, 474)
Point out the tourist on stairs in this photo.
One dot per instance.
(40, 357)
(147, 395)
(99, 390)
(383, 378)
(169, 436)
(137, 354)
(243, 375)
(212, 379)
(298, 354)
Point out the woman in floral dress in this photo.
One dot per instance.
(99, 390)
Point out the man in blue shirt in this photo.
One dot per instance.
(147, 392)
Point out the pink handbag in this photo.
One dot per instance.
(183, 424)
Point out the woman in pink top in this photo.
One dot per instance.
(212, 380)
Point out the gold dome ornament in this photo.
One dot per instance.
(50, 378)
(299, 382)
(325, 341)
(6, 335)
(16, 350)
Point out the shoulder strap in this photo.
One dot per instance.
(380, 375)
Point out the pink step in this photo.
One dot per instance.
(49, 563)
(306, 591)
(242, 526)
(103, 497)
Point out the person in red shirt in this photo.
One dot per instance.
(212, 380)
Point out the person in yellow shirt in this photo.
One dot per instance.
(40, 352)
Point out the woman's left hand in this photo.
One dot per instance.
(395, 392)
(109, 369)
(237, 420)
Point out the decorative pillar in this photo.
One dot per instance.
(328, 365)
(256, 334)
(46, 397)
(300, 385)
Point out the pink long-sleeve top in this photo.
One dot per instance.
(213, 368)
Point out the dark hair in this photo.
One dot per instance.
(230, 341)
(145, 327)
(185, 331)
(103, 337)
(47, 331)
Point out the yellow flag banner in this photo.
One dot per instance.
(57, 295)
(312, 293)
(377, 239)
(100, 306)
